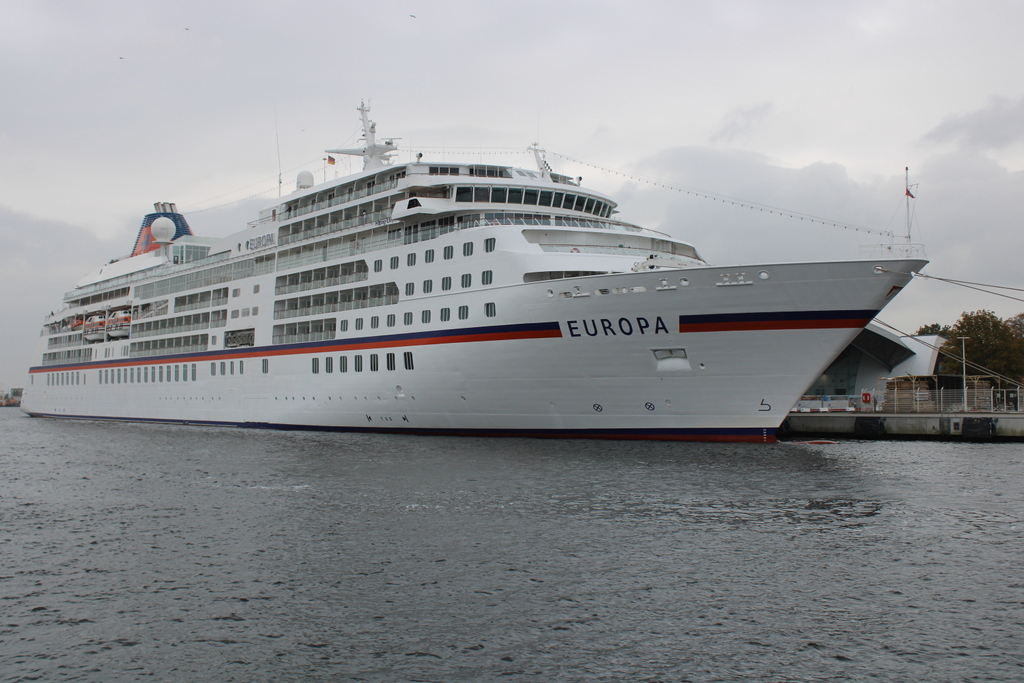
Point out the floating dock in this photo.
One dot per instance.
(946, 426)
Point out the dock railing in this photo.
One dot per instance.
(916, 401)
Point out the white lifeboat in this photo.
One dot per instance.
(95, 327)
(119, 324)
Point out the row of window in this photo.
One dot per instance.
(155, 373)
(147, 374)
(445, 314)
(428, 256)
(60, 379)
(533, 196)
(390, 362)
(466, 281)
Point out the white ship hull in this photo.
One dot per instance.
(560, 360)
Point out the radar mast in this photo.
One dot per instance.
(374, 155)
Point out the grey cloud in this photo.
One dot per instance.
(998, 125)
(741, 121)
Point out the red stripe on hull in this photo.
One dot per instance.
(757, 325)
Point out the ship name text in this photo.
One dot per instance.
(260, 242)
(623, 326)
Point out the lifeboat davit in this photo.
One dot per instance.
(95, 327)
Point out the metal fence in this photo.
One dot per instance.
(917, 401)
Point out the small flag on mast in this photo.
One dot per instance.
(330, 162)
(908, 193)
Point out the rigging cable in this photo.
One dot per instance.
(970, 364)
(704, 194)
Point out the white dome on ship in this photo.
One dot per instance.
(304, 180)
(162, 230)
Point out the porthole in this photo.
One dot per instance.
(764, 275)
(683, 282)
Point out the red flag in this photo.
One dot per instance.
(910, 195)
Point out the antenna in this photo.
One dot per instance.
(277, 135)
(909, 196)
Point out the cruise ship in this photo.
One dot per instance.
(448, 298)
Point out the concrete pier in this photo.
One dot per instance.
(946, 426)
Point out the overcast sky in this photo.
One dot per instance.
(107, 107)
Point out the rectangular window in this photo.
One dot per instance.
(557, 201)
(359, 323)
(428, 256)
(425, 317)
(394, 262)
(236, 292)
(374, 366)
(343, 325)
(498, 195)
(255, 289)
(391, 362)
(446, 314)
(357, 363)
(213, 369)
(266, 365)
(231, 366)
(241, 367)
(489, 244)
(177, 374)
(463, 312)
(490, 310)
(581, 201)
(449, 252)
(407, 356)
(463, 194)
(407, 318)
(410, 288)
(378, 266)
(328, 365)
(391, 320)
(482, 194)
(410, 260)
(487, 277)
(467, 280)
(515, 195)
(342, 363)
(223, 368)
(467, 249)
(428, 286)
(161, 373)
(316, 365)
(529, 196)
(446, 283)
(545, 198)
(374, 322)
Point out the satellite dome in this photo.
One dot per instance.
(304, 180)
(162, 230)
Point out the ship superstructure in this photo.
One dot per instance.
(448, 298)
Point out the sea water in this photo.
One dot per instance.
(159, 552)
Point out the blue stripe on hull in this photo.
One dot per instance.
(747, 434)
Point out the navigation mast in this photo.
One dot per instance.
(374, 155)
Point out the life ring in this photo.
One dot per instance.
(865, 397)
(575, 250)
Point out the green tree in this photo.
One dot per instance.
(992, 343)
(934, 328)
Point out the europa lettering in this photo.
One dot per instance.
(614, 328)
(260, 242)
